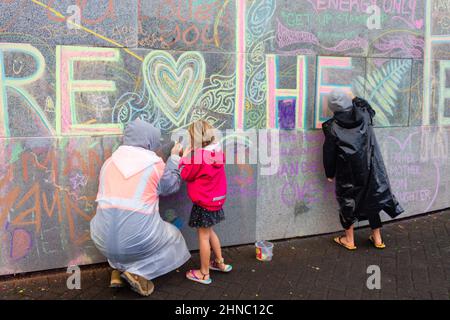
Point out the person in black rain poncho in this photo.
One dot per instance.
(352, 156)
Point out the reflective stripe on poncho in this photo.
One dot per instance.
(127, 228)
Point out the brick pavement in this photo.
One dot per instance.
(416, 265)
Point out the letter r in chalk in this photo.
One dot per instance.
(18, 84)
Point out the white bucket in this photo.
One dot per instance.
(264, 250)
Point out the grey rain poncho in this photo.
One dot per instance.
(127, 228)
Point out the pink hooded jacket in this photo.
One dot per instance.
(204, 172)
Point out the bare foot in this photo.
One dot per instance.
(347, 242)
(377, 239)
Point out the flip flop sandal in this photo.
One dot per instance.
(191, 276)
(339, 242)
(116, 280)
(378, 246)
(136, 285)
(214, 265)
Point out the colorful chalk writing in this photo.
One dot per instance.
(68, 89)
(444, 93)
(324, 86)
(299, 94)
(405, 168)
(308, 27)
(198, 25)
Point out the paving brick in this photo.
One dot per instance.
(422, 295)
(233, 291)
(124, 294)
(440, 293)
(318, 294)
(415, 265)
(334, 294)
(196, 295)
(245, 295)
(159, 295)
(90, 293)
(371, 294)
(388, 295)
(353, 293)
(176, 297)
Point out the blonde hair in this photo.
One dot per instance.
(202, 134)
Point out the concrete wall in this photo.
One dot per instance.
(72, 76)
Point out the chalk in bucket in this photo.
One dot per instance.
(264, 250)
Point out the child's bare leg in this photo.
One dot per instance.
(215, 244)
(205, 252)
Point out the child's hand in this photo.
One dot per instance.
(330, 179)
(176, 148)
(187, 151)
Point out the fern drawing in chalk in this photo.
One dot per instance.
(382, 87)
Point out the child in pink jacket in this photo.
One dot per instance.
(203, 168)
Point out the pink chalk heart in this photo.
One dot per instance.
(20, 243)
(419, 24)
(174, 85)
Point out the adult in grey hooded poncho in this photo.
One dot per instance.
(127, 227)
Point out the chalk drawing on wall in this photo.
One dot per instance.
(50, 22)
(275, 94)
(186, 24)
(176, 91)
(258, 34)
(381, 88)
(131, 106)
(174, 85)
(47, 194)
(18, 85)
(256, 71)
(218, 97)
(309, 27)
(444, 93)
(326, 68)
(405, 167)
(67, 121)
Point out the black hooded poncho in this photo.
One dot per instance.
(352, 156)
